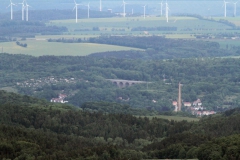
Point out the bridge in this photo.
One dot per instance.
(124, 83)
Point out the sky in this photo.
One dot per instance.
(201, 7)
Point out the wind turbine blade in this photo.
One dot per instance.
(74, 8)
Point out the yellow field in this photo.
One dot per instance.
(42, 47)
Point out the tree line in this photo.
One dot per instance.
(27, 29)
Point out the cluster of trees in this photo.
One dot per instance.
(154, 29)
(35, 129)
(64, 40)
(6, 39)
(116, 108)
(27, 29)
(21, 44)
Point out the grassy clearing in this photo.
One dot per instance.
(175, 118)
(9, 89)
(39, 48)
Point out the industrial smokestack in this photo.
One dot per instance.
(179, 97)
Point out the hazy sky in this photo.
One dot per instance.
(202, 7)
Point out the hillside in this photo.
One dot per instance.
(35, 129)
(159, 66)
(213, 80)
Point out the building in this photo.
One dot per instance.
(60, 99)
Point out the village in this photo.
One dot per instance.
(40, 82)
(195, 108)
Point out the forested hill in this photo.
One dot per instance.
(34, 129)
(214, 80)
(159, 47)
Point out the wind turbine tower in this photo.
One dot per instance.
(161, 7)
(88, 9)
(27, 11)
(167, 11)
(23, 8)
(100, 7)
(144, 9)
(235, 8)
(11, 5)
(225, 8)
(76, 7)
(124, 11)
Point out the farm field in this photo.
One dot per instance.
(185, 25)
(235, 20)
(224, 43)
(42, 47)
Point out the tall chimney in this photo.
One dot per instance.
(179, 97)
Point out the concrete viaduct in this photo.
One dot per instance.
(124, 83)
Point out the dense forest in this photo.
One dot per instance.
(35, 129)
(159, 47)
(213, 80)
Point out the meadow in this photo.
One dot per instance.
(42, 47)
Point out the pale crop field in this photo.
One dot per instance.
(41, 47)
(123, 26)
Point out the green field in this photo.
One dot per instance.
(224, 43)
(186, 25)
(175, 118)
(42, 47)
(9, 89)
(235, 20)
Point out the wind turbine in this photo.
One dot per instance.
(23, 8)
(76, 7)
(235, 8)
(11, 4)
(161, 7)
(88, 9)
(144, 9)
(225, 8)
(167, 8)
(100, 8)
(124, 11)
(27, 10)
